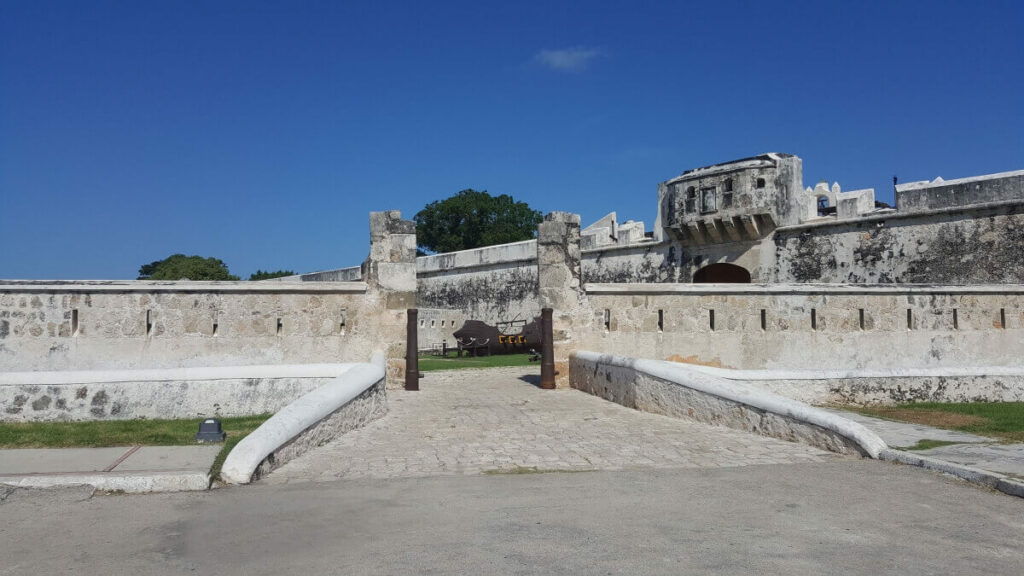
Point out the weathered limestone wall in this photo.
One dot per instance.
(806, 326)
(977, 245)
(390, 274)
(125, 324)
(491, 284)
(159, 393)
(89, 325)
(437, 326)
(561, 289)
(647, 262)
(885, 386)
(670, 262)
(924, 196)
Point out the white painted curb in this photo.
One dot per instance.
(994, 480)
(300, 415)
(128, 483)
(741, 393)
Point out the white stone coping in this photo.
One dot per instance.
(740, 393)
(798, 289)
(766, 160)
(523, 251)
(937, 183)
(150, 286)
(645, 242)
(880, 216)
(786, 374)
(59, 377)
(297, 417)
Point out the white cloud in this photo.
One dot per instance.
(567, 59)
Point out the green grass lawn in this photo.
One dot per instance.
(1003, 420)
(123, 433)
(430, 363)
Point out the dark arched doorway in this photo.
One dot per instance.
(722, 273)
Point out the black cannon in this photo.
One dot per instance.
(476, 338)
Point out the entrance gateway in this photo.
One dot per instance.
(476, 336)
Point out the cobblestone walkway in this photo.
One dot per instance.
(494, 421)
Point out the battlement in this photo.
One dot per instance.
(924, 195)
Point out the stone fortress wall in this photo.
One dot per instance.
(84, 325)
(762, 220)
(105, 347)
(838, 282)
(126, 325)
(807, 327)
(495, 283)
(752, 213)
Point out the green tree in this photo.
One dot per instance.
(471, 219)
(261, 275)
(179, 266)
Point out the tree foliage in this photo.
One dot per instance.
(471, 219)
(179, 266)
(261, 275)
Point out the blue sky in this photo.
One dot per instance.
(263, 133)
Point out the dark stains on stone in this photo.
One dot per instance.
(873, 253)
(61, 404)
(41, 403)
(813, 259)
(99, 398)
(654, 265)
(964, 247)
(5, 328)
(81, 393)
(972, 252)
(502, 290)
(19, 402)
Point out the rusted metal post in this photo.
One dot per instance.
(412, 361)
(547, 351)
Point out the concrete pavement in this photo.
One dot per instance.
(125, 469)
(838, 517)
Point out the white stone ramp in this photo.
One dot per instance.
(497, 421)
